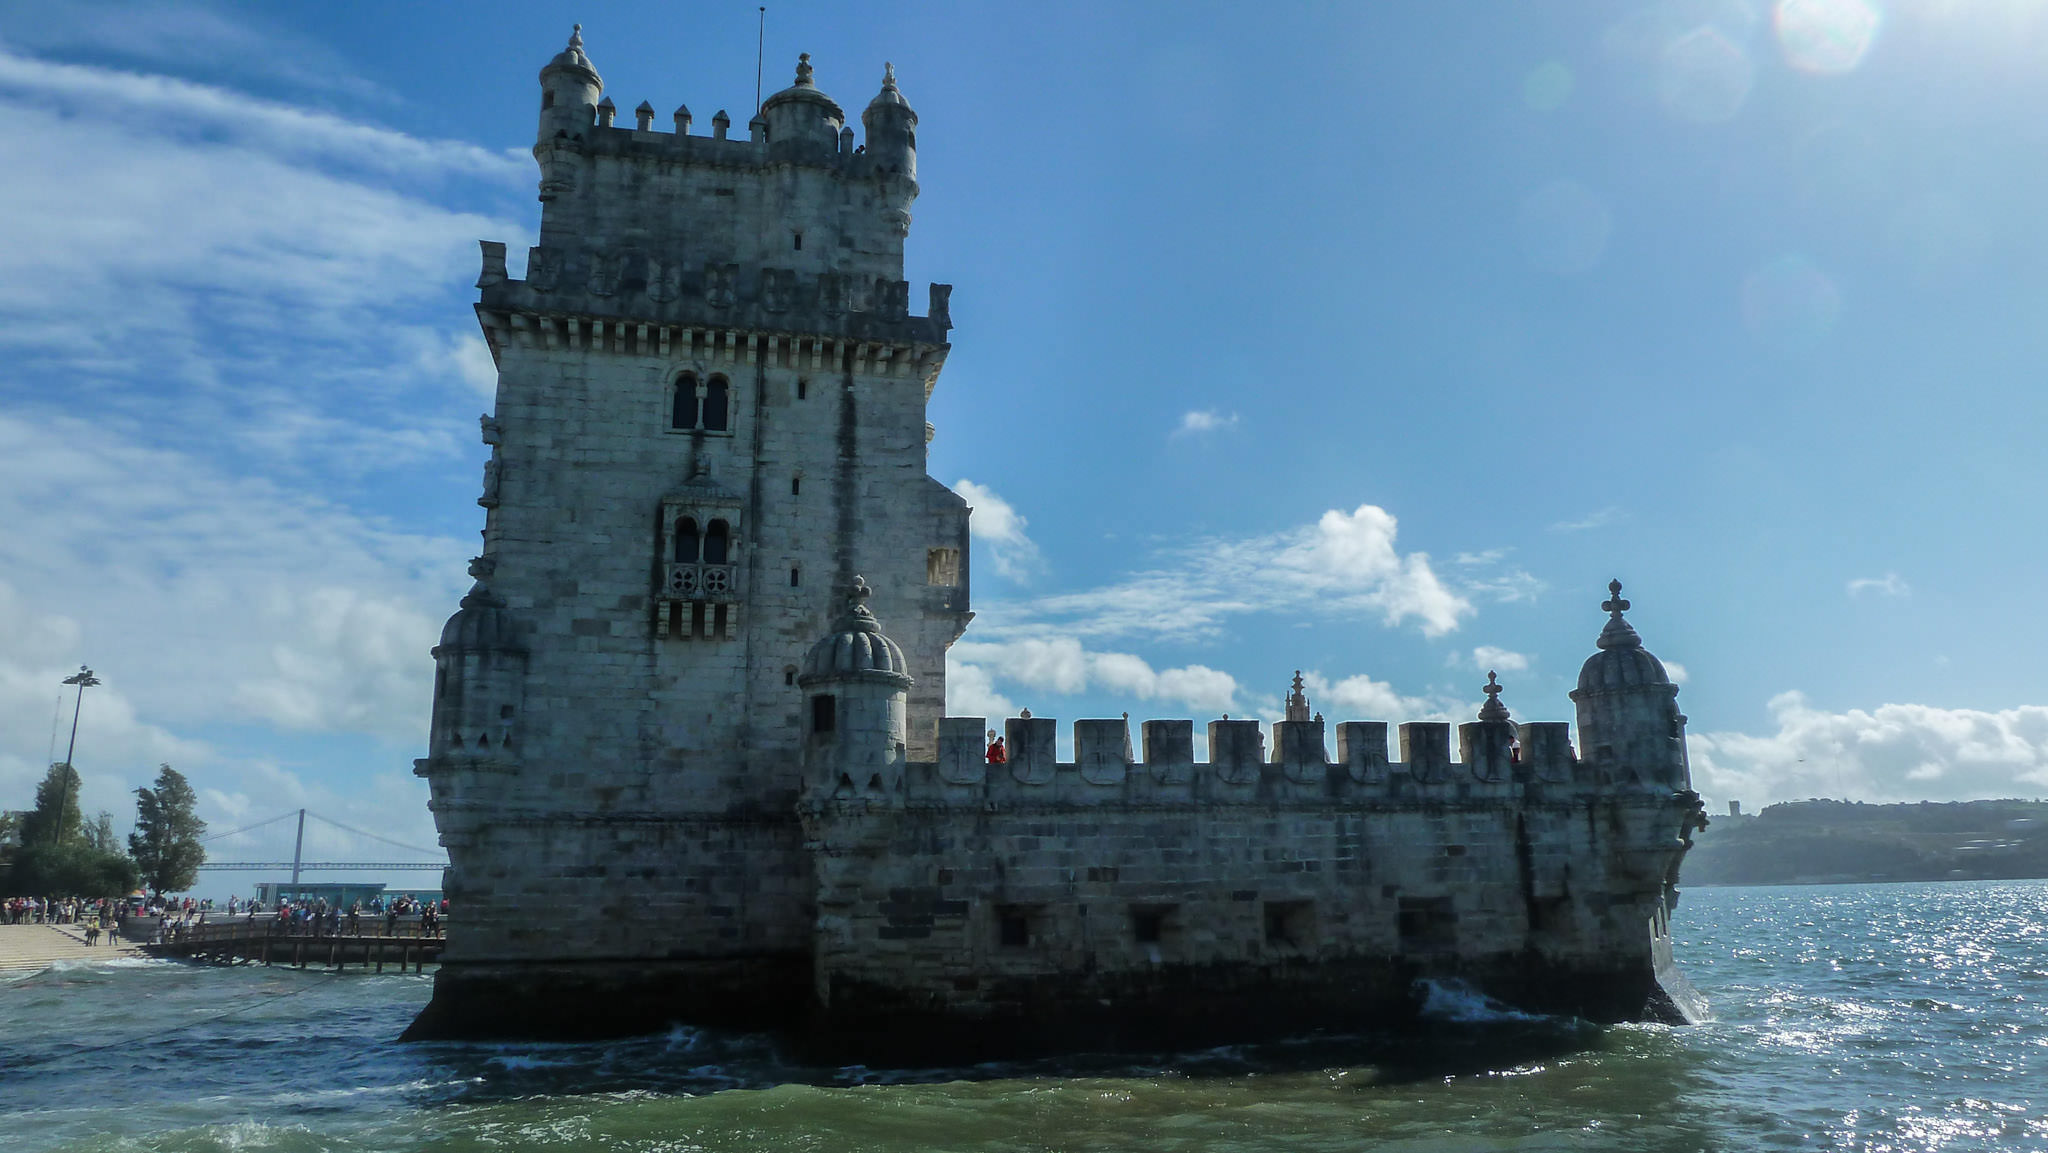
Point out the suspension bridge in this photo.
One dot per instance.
(298, 864)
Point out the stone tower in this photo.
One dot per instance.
(710, 416)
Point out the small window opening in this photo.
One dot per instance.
(1288, 924)
(686, 540)
(796, 485)
(789, 675)
(799, 241)
(504, 712)
(717, 542)
(824, 714)
(796, 577)
(684, 412)
(547, 100)
(697, 611)
(803, 388)
(1013, 927)
(715, 396)
(1148, 926)
(719, 621)
(1428, 925)
(675, 619)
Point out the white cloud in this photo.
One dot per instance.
(1361, 698)
(1887, 585)
(1345, 563)
(1001, 527)
(1676, 672)
(1598, 519)
(1204, 420)
(1063, 666)
(1504, 660)
(1891, 753)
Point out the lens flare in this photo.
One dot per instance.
(1704, 76)
(1548, 86)
(1827, 37)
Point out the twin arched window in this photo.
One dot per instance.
(706, 405)
(712, 544)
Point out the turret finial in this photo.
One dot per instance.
(1297, 701)
(888, 74)
(1614, 603)
(576, 36)
(803, 70)
(1493, 710)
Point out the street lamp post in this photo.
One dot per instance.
(84, 679)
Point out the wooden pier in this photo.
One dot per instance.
(240, 941)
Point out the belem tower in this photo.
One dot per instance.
(689, 751)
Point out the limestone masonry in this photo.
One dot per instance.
(684, 774)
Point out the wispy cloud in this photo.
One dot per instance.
(1502, 660)
(1204, 420)
(1346, 563)
(1599, 519)
(1889, 585)
(1064, 666)
(999, 526)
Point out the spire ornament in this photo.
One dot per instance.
(803, 71)
(1493, 710)
(1618, 634)
(1297, 701)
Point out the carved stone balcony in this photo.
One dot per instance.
(700, 582)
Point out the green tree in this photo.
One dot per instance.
(165, 842)
(71, 870)
(56, 819)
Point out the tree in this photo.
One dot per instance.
(165, 842)
(71, 870)
(100, 834)
(56, 819)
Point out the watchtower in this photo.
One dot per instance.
(710, 416)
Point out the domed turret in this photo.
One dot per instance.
(479, 674)
(569, 88)
(1629, 721)
(802, 119)
(892, 132)
(858, 692)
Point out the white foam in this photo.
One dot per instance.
(1459, 1003)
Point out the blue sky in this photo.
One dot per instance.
(1369, 340)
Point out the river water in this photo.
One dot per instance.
(1877, 1017)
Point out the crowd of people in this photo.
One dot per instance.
(171, 919)
(319, 919)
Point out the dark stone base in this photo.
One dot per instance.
(589, 1000)
(1166, 1009)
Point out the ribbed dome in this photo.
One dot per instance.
(1622, 662)
(482, 622)
(804, 91)
(572, 57)
(856, 646)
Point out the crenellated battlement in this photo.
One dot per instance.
(1495, 761)
(638, 285)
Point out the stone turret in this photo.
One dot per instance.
(892, 145)
(479, 676)
(569, 91)
(1629, 723)
(856, 691)
(802, 121)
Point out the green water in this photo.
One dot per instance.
(1904, 1017)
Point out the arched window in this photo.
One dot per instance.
(715, 405)
(686, 540)
(716, 537)
(684, 414)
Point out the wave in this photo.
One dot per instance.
(1457, 1003)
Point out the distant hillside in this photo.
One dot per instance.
(1839, 841)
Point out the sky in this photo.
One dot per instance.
(1369, 340)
